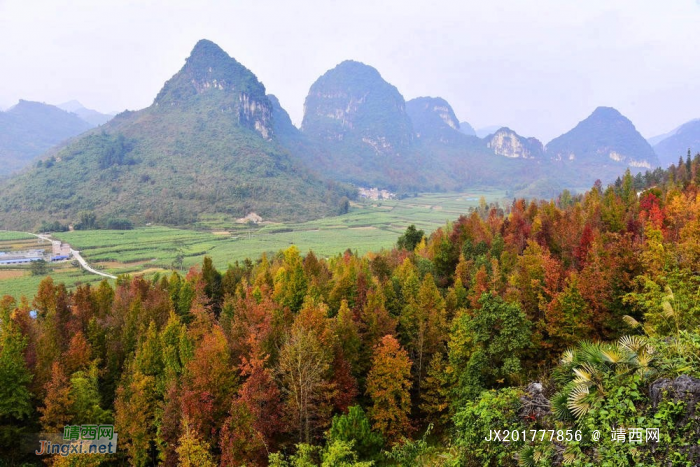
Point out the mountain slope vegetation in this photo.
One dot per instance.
(602, 144)
(365, 133)
(205, 145)
(30, 128)
(213, 141)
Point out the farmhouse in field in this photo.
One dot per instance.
(250, 218)
(59, 250)
(21, 257)
(375, 193)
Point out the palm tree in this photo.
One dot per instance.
(585, 369)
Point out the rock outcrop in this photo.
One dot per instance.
(505, 142)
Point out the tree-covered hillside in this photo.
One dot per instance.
(205, 145)
(30, 128)
(556, 320)
(602, 143)
(362, 132)
(214, 142)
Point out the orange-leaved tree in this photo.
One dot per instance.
(388, 385)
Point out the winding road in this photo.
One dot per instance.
(76, 255)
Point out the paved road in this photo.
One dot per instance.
(77, 256)
(86, 266)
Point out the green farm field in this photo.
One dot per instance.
(26, 285)
(6, 236)
(369, 226)
(17, 280)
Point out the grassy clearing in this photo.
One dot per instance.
(369, 226)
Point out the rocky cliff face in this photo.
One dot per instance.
(255, 113)
(211, 78)
(352, 105)
(505, 142)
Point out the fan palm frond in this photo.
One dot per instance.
(633, 343)
(568, 356)
(559, 406)
(582, 376)
(591, 352)
(586, 374)
(577, 401)
(569, 457)
(644, 358)
(526, 457)
(613, 355)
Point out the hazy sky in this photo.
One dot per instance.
(538, 66)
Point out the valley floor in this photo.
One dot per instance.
(369, 226)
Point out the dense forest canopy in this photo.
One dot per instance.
(579, 313)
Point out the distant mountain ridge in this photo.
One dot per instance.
(360, 124)
(433, 117)
(654, 140)
(467, 129)
(353, 104)
(465, 160)
(442, 156)
(487, 130)
(604, 144)
(214, 141)
(364, 132)
(206, 145)
(93, 117)
(352, 101)
(678, 142)
(30, 128)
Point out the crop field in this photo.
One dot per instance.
(6, 235)
(23, 244)
(27, 285)
(369, 226)
(17, 280)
